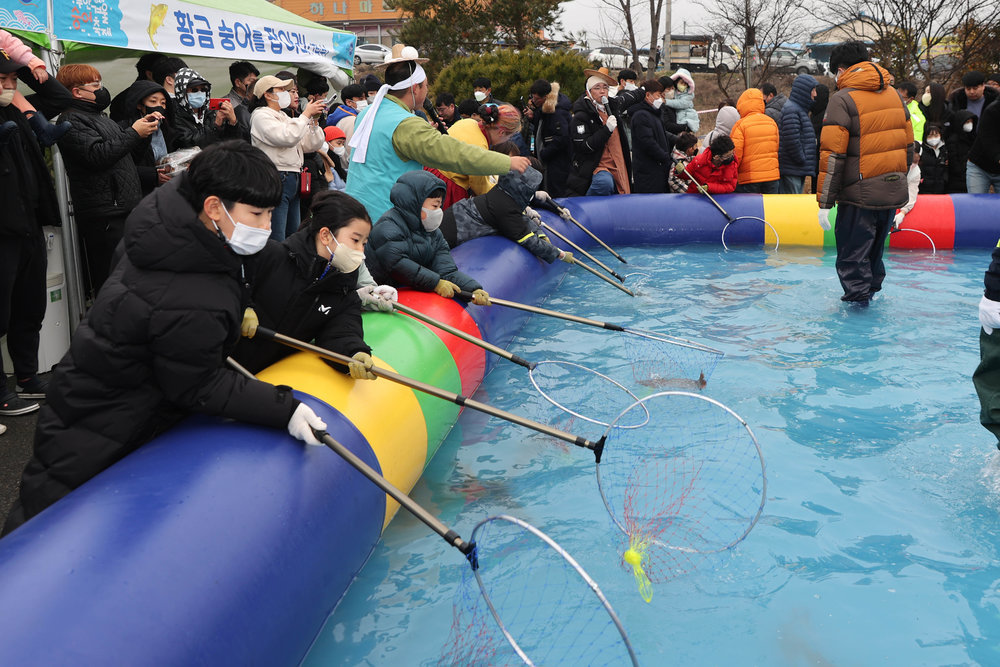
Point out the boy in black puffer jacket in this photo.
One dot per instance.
(409, 249)
(151, 350)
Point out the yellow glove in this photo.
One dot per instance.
(679, 167)
(360, 368)
(480, 297)
(447, 289)
(567, 257)
(250, 323)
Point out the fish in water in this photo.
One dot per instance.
(655, 382)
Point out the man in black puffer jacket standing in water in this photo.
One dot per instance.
(152, 349)
(102, 176)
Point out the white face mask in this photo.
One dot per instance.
(7, 96)
(657, 103)
(613, 91)
(361, 104)
(926, 99)
(631, 86)
(246, 240)
(479, 95)
(967, 127)
(345, 259)
(934, 143)
(433, 218)
(284, 99)
(339, 150)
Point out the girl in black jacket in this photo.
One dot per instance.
(650, 149)
(141, 98)
(306, 287)
(151, 350)
(933, 161)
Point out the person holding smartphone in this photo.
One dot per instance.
(195, 123)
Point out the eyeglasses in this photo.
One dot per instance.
(600, 86)
(96, 84)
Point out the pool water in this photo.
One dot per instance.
(879, 539)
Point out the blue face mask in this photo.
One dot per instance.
(197, 100)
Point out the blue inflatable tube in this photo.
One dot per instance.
(223, 543)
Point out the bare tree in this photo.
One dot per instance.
(625, 12)
(925, 39)
(762, 25)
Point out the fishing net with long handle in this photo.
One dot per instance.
(684, 489)
(527, 601)
(660, 361)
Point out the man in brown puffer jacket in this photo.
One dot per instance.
(863, 172)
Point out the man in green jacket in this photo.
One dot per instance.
(389, 140)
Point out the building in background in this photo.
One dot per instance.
(371, 20)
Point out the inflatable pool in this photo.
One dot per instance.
(225, 543)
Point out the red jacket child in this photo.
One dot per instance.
(718, 175)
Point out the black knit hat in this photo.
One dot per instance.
(7, 64)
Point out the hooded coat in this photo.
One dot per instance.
(142, 153)
(590, 136)
(683, 103)
(650, 151)
(150, 352)
(755, 136)
(188, 132)
(933, 168)
(724, 121)
(718, 180)
(959, 144)
(797, 154)
(98, 154)
(402, 251)
(298, 293)
(553, 144)
(866, 147)
(500, 211)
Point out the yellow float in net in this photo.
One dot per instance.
(634, 556)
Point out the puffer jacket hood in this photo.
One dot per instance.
(962, 116)
(865, 76)
(725, 119)
(684, 75)
(165, 233)
(802, 91)
(186, 77)
(135, 93)
(409, 192)
(751, 101)
(521, 187)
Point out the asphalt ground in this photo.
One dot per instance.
(15, 450)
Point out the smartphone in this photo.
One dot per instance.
(215, 103)
(330, 100)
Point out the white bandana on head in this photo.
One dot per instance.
(363, 131)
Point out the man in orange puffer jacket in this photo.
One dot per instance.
(755, 136)
(866, 148)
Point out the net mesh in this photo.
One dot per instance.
(659, 362)
(584, 393)
(546, 606)
(683, 489)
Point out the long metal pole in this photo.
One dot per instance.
(666, 35)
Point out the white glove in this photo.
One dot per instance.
(564, 213)
(898, 220)
(542, 196)
(533, 215)
(989, 315)
(824, 218)
(370, 301)
(611, 123)
(303, 421)
(386, 293)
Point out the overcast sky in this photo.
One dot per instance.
(598, 20)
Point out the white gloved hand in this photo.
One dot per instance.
(611, 123)
(898, 220)
(533, 215)
(564, 213)
(824, 218)
(542, 196)
(371, 301)
(386, 293)
(989, 315)
(302, 423)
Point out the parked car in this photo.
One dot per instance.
(788, 60)
(371, 54)
(613, 57)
